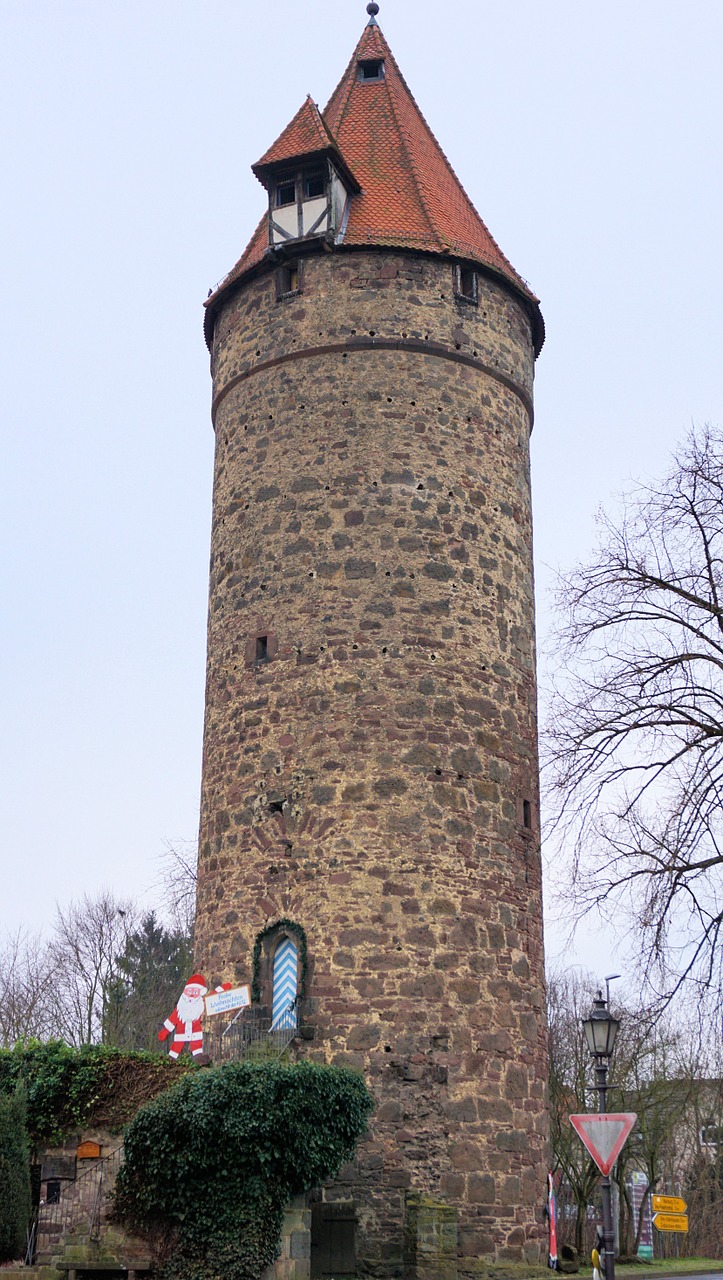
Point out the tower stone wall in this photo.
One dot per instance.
(370, 759)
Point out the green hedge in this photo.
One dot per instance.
(211, 1164)
(14, 1176)
(71, 1089)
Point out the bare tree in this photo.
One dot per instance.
(569, 998)
(702, 1184)
(635, 736)
(89, 937)
(657, 1071)
(177, 881)
(26, 1005)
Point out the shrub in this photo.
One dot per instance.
(210, 1164)
(14, 1176)
(68, 1089)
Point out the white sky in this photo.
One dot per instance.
(589, 139)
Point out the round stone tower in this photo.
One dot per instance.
(369, 850)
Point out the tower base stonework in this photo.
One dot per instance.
(294, 1261)
(430, 1240)
(369, 850)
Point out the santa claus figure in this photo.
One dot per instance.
(185, 1021)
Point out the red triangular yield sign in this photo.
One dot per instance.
(604, 1135)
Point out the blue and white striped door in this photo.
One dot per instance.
(283, 1006)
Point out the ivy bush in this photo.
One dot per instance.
(14, 1176)
(211, 1164)
(69, 1089)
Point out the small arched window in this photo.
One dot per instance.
(285, 983)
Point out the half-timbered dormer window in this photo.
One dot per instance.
(308, 181)
(306, 202)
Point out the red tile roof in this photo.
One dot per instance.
(306, 135)
(410, 196)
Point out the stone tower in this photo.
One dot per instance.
(369, 847)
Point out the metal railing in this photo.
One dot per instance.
(32, 1237)
(250, 1036)
(81, 1204)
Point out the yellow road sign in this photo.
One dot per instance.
(669, 1204)
(671, 1221)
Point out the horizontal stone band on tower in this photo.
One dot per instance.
(379, 344)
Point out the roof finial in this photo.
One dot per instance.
(372, 10)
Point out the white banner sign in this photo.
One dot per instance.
(224, 1001)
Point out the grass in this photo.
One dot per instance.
(662, 1267)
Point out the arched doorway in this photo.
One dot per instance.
(285, 984)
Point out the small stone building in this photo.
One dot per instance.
(72, 1230)
(369, 843)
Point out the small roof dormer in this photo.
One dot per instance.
(308, 181)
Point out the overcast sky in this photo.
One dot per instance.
(588, 137)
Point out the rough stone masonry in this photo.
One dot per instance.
(370, 760)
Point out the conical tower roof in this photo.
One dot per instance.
(406, 194)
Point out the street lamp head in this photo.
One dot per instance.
(600, 1029)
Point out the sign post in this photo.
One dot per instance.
(601, 1030)
(225, 1001)
(670, 1213)
(671, 1221)
(604, 1136)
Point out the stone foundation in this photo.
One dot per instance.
(294, 1261)
(430, 1240)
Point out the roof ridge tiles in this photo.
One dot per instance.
(453, 175)
(409, 149)
(346, 81)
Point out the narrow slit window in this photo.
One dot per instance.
(262, 648)
(527, 815)
(53, 1196)
(371, 69)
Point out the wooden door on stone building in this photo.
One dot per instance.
(285, 984)
(333, 1240)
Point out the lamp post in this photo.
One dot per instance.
(601, 1029)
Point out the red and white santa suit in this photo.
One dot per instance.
(185, 1021)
